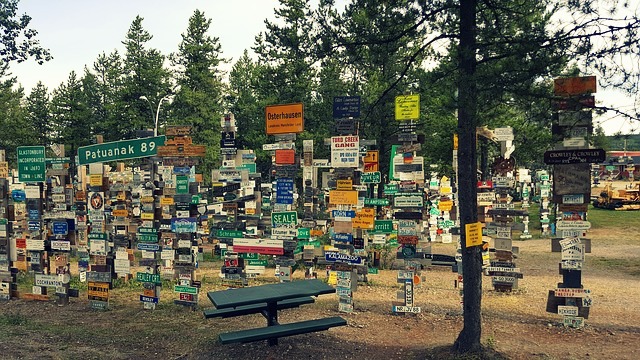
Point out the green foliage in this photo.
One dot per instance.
(144, 75)
(15, 128)
(38, 114)
(198, 100)
(17, 39)
(70, 113)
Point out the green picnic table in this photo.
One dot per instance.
(267, 300)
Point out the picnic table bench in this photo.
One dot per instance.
(267, 300)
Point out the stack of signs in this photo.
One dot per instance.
(503, 271)
(544, 190)
(408, 279)
(99, 282)
(7, 280)
(61, 249)
(346, 284)
(445, 207)
(150, 284)
(232, 271)
(524, 179)
(346, 277)
(571, 191)
(148, 244)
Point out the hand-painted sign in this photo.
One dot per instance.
(407, 107)
(578, 156)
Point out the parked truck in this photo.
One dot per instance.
(619, 199)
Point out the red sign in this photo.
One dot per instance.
(285, 157)
(258, 249)
(21, 243)
(186, 297)
(408, 239)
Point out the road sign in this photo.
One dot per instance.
(284, 119)
(120, 150)
(371, 177)
(185, 289)
(31, 163)
(284, 219)
(146, 277)
(338, 257)
(376, 201)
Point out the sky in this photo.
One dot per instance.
(78, 31)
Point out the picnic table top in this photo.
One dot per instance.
(268, 293)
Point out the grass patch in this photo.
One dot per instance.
(622, 220)
(14, 320)
(624, 265)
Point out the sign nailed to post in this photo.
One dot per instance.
(407, 107)
(574, 156)
(284, 119)
(120, 150)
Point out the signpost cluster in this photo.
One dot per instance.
(571, 161)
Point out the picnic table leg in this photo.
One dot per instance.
(272, 319)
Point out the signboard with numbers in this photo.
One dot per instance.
(31, 163)
(120, 150)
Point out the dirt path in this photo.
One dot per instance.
(515, 325)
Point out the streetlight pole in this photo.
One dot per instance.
(155, 127)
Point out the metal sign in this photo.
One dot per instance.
(338, 257)
(346, 107)
(371, 177)
(31, 163)
(120, 150)
(284, 119)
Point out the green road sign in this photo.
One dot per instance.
(376, 201)
(182, 184)
(249, 256)
(185, 289)
(390, 189)
(229, 233)
(284, 218)
(371, 177)
(146, 277)
(383, 226)
(257, 262)
(252, 168)
(148, 238)
(304, 233)
(31, 163)
(120, 150)
(147, 230)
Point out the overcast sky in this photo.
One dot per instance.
(77, 31)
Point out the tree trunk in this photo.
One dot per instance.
(469, 338)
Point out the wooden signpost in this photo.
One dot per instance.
(572, 188)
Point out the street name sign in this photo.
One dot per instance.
(120, 150)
